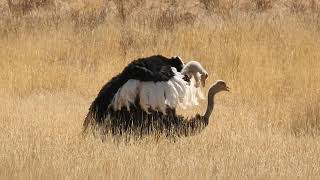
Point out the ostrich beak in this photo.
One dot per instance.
(227, 89)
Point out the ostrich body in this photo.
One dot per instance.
(154, 68)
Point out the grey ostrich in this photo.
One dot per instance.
(195, 69)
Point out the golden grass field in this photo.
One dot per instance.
(267, 127)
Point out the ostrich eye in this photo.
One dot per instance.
(222, 84)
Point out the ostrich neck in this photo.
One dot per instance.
(198, 123)
(210, 105)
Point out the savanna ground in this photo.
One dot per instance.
(56, 55)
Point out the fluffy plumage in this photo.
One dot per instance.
(157, 96)
(154, 68)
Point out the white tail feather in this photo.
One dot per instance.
(144, 96)
(160, 93)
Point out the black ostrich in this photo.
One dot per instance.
(144, 96)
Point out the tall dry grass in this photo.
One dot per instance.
(267, 127)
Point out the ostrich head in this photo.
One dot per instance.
(220, 85)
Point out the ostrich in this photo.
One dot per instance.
(154, 68)
(194, 68)
(152, 86)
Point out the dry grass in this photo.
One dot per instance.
(267, 127)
